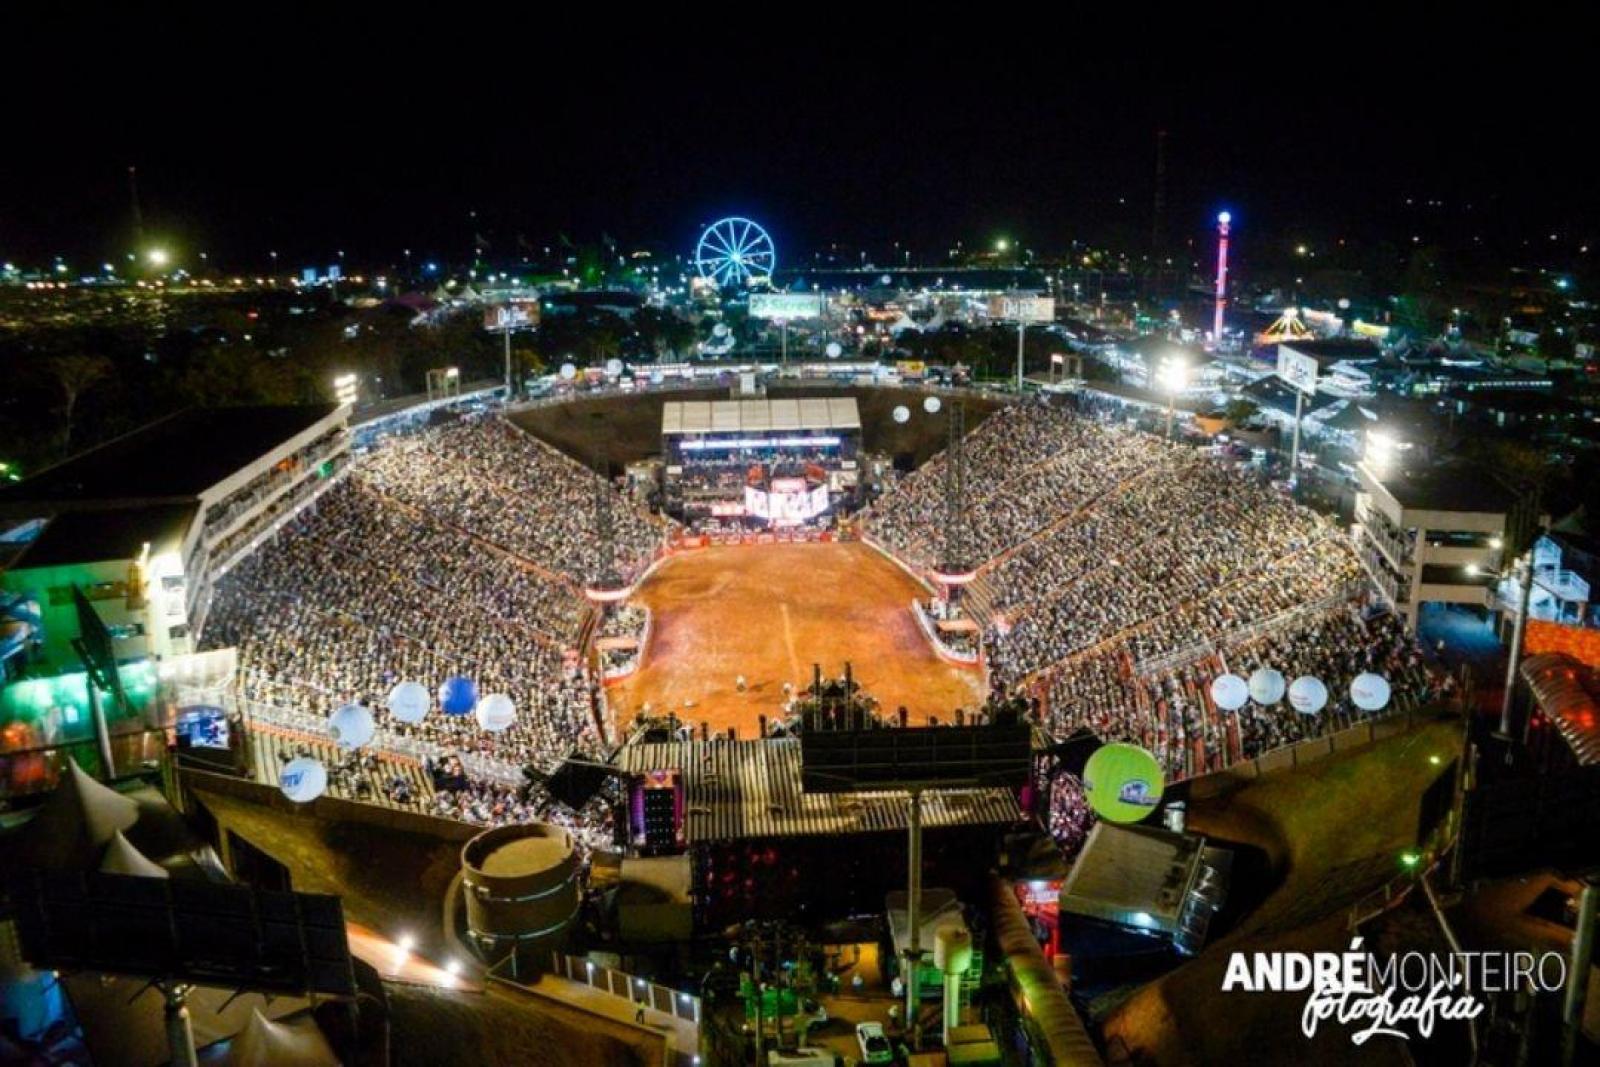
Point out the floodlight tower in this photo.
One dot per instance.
(1224, 220)
(955, 564)
(606, 585)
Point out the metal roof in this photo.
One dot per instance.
(737, 789)
(760, 416)
(175, 458)
(1130, 870)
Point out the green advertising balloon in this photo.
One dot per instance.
(1123, 782)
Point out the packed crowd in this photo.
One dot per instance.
(489, 803)
(418, 567)
(1120, 573)
(1070, 815)
(505, 488)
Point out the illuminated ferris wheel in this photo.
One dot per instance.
(733, 251)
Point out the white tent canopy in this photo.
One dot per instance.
(266, 1043)
(122, 858)
(76, 823)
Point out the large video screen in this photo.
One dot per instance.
(203, 727)
(790, 503)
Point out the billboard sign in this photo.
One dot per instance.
(1023, 308)
(193, 931)
(510, 316)
(789, 306)
(1299, 370)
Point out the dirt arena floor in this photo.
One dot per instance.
(769, 612)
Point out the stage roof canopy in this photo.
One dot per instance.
(739, 789)
(783, 415)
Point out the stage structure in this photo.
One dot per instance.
(936, 760)
(761, 464)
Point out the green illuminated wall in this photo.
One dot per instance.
(60, 620)
(45, 711)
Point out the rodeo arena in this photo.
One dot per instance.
(786, 726)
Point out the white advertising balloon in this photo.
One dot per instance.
(834, 350)
(902, 414)
(568, 372)
(409, 702)
(931, 405)
(351, 726)
(1369, 692)
(1267, 686)
(496, 713)
(303, 780)
(1308, 695)
(1229, 692)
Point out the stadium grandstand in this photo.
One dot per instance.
(1123, 572)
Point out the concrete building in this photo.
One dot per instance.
(145, 524)
(1435, 537)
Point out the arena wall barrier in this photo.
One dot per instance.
(920, 579)
(1303, 753)
(690, 542)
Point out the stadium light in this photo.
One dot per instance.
(1381, 447)
(346, 387)
(1173, 374)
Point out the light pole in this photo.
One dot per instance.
(1523, 568)
(1022, 329)
(913, 957)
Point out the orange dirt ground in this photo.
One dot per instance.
(769, 612)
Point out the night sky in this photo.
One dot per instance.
(306, 136)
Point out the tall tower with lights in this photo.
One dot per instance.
(1224, 220)
(955, 568)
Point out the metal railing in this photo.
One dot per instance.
(1283, 620)
(629, 987)
(384, 741)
